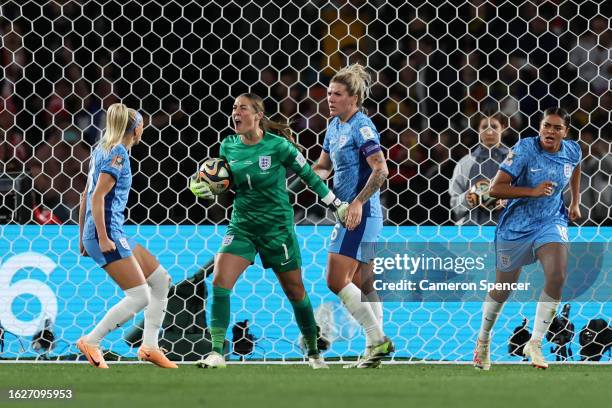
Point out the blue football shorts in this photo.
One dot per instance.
(123, 248)
(348, 243)
(514, 254)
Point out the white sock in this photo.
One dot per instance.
(490, 312)
(135, 300)
(362, 312)
(545, 313)
(159, 281)
(376, 306)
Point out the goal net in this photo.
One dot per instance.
(436, 67)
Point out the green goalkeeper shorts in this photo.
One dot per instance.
(279, 251)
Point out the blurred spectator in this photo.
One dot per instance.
(470, 182)
(595, 184)
(59, 169)
(344, 27)
(434, 69)
(591, 55)
(13, 153)
(15, 185)
(403, 158)
(12, 61)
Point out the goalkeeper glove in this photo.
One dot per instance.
(340, 209)
(201, 189)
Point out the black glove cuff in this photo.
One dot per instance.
(335, 204)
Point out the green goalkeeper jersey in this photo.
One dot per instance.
(259, 174)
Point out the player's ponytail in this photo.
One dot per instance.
(357, 81)
(117, 117)
(267, 125)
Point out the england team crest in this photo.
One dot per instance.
(265, 162)
(505, 260)
(567, 170)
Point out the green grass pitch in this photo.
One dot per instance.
(254, 386)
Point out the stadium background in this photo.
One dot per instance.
(436, 66)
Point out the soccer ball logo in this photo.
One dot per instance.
(216, 173)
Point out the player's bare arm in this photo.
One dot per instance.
(574, 208)
(103, 187)
(82, 204)
(501, 187)
(323, 166)
(378, 176)
(378, 164)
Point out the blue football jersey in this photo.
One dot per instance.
(117, 164)
(529, 165)
(348, 145)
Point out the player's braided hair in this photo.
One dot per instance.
(357, 81)
(117, 118)
(267, 125)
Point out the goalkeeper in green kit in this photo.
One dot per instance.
(262, 220)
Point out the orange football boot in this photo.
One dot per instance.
(93, 354)
(156, 356)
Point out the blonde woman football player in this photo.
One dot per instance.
(138, 273)
(352, 150)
